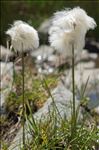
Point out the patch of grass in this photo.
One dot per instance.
(4, 146)
(51, 136)
(35, 92)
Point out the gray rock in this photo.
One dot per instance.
(48, 70)
(85, 55)
(5, 54)
(6, 76)
(96, 110)
(62, 102)
(81, 76)
(42, 53)
(6, 82)
(84, 65)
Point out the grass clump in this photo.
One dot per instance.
(35, 91)
(50, 135)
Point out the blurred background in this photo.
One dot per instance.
(35, 12)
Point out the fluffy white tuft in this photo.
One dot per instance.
(70, 26)
(23, 36)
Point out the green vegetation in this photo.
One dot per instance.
(35, 94)
(49, 136)
(35, 91)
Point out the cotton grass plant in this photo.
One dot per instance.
(67, 35)
(69, 135)
(24, 38)
(69, 27)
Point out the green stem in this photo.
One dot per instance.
(23, 100)
(73, 89)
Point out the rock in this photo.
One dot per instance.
(93, 56)
(86, 56)
(62, 99)
(6, 54)
(41, 56)
(96, 110)
(92, 45)
(84, 65)
(42, 53)
(46, 71)
(81, 77)
(47, 59)
(6, 82)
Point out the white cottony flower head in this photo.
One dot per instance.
(23, 36)
(70, 27)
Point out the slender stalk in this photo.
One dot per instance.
(23, 100)
(49, 92)
(73, 90)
